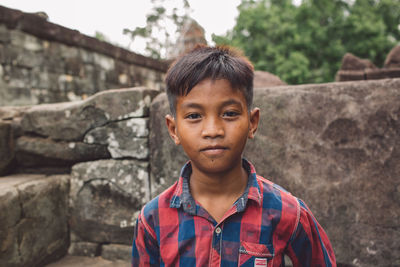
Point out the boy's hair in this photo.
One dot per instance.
(204, 62)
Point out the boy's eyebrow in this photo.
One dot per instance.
(199, 106)
(191, 105)
(231, 102)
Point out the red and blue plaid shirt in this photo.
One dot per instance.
(263, 225)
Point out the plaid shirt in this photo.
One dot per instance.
(265, 223)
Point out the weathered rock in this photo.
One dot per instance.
(59, 64)
(39, 152)
(264, 79)
(375, 74)
(166, 158)
(337, 146)
(9, 113)
(393, 58)
(355, 69)
(114, 252)
(70, 121)
(127, 138)
(352, 62)
(33, 219)
(105, 195)
(350, 75)
(84, 249)
(6, 147)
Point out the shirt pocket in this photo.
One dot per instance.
(255, 255)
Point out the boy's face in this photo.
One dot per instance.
(212, 124)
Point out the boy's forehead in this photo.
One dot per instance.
(212, 91)
(216, 84)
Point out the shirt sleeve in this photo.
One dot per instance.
(145, 250)
(309, 245)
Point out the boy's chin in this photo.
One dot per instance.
(215, 166)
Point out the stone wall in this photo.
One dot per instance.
(102, 142)
(336, 146)
(42, 62)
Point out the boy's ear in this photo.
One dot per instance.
(171, 125)
(254, 119)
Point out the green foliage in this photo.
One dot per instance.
(305, 43)
(156, 32)
(101, 36)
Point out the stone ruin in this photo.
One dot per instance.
(42, 62)
(74, 175)
(99, 147)
(356, 69)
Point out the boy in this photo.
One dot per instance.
(220, 212)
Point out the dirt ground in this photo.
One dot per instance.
(76, 261)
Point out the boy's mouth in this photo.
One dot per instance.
(214, 150)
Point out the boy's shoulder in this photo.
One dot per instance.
(275, 196)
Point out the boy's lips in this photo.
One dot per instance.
(214, 150)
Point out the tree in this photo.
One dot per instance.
(161, 27)
(305, 43)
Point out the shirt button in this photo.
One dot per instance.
(218, 230)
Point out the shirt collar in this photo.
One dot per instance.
(182, 196)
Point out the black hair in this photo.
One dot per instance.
(205, 62)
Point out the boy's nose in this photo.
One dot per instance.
(212, 128)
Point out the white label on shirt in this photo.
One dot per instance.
(260, 262)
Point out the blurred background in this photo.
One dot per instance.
(299, 41)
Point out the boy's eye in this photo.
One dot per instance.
(230, 114)
(193, 116)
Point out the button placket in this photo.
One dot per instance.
(218, 230)
(215, 255)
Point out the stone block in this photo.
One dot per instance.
(382, 73)
(4, 34)
(166, 158)
(105, 195)
(393, 58)
(352, 62)
(74, 66)
(106, 63)
(86, 56)
(41, 152)
(70, 121)
(6, 147)
(33, 219)
(8, 54)
(84, 249)
(67, 51)
(17, 77)
(23, 58)
(114, 252)
(350, 75)
(25, 41)
(127, 138)
(336, 146)
(16, 96)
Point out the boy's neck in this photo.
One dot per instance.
(218, 191)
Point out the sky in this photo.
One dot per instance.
(111, 17)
